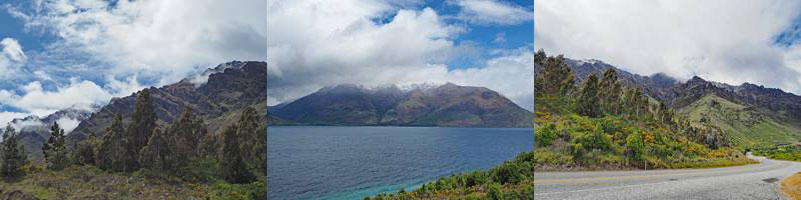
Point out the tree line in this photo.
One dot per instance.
(237, 154)
(601, 99)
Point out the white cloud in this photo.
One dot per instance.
(13, 50)
(158, 39)
(37, 101)
(720, 40)
(492, 12)
(338, 42)
(68, 124)
(11, 57)
(6, 117)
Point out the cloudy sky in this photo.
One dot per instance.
(730, 41)
(60, 53)
(317, 43)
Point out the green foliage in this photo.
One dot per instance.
(588, 102)
(609, 95)
(55, 150)
(184, 136)
(253, 140)
(115, 151)
(85, 152)
(233, 168)
(13, 154)
(555, 78)
(158, 154)
(143, 122)
(635, 146)
(545, 134)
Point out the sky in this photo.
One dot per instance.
(57, 54)
(317, 43)
(729, 41)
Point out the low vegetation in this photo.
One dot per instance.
(781, 152)
(513, 179)
(604, 125)
(143, 160)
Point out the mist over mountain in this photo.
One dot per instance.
(426, 105)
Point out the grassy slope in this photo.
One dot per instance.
(89, 182)
(747, 128)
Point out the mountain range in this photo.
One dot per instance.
(218, 95)
(444, 105)
(750, 114)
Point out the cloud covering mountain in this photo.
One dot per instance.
(375, 43)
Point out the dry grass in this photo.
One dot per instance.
(791, 186)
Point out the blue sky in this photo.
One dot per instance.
(57, 54)
(486, 43)
(63, 53)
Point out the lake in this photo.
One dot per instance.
(325, 162)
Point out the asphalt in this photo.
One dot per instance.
(755, 181)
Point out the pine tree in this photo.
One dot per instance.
(610, 91)
(187, 134)
(85, 151)
(157, 154)
(254, 140)
(55, 150)
(13, 154)
(143, 122)
(234, 169)
(554, 78)
(115, 152)
(588, 99)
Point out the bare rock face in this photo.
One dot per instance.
(216, 93)
(446, 105)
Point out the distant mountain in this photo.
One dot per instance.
(446, 105)
(751, 114)
(218, 95)
(34, 131)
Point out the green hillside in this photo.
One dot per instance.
(745, 126)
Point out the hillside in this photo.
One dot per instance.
(751, 115)
(218, 92)
(201, 137)
(444, 105)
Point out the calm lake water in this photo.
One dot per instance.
(353, 162)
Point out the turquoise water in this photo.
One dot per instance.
(353, 162)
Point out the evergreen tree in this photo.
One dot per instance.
(156, 155)
(588, 99)
(254, 140)
(187, 134)
(610, 92)
(55, 150)
(115, 152)
(13, 154)
(143, 122)
(234, 169)
(554, 77)
(85, 151)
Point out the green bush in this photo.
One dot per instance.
(544, 135)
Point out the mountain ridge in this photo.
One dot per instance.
(444, 105)
(775, 108)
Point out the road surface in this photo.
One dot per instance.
(755, 181)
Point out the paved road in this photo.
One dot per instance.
(756, 181)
